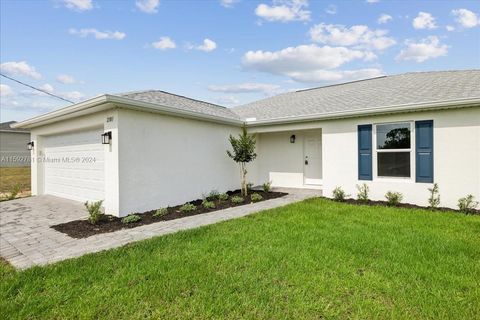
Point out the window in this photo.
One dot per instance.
(393, 146)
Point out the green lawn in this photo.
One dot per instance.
(315, 259)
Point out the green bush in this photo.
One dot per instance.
(213, 195)
(393, 198)
(339, 194)
(237, 199)
(131, 218)
(468, 204)
(160, 212)
(267, 186)
(223, 197)
(434, 199)
(249, 186)
(13, 192)
(362, 194)
(187, 207)
(255, 197)
(95, 214)
(208, 204)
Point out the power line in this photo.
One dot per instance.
(34, 88)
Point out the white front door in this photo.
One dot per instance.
(74, 165)
(313, 159)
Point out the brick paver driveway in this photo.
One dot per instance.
(26, 238)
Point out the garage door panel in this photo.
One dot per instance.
(74, 165)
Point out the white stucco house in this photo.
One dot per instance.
(395, 133)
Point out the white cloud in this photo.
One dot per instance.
(336, 75)
(164, 43)
(99, 35)
(78, 5)
(284, 11)
(384, 18)
(372, 1)
(65, 79)
(248, 87)
(73, 95)
(424, 20)
(207, 46)
(227, 100)
(427, 48)
(331, 9)
(359, 35)
(466, 18)
(228, 3)
(47, 87)
(450, 28)
(6, 91)
(305, 63)
(13, 68)
(148, 6)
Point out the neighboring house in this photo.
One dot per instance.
(395, 133)
(13, 146)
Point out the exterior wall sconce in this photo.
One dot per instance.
(30, 145)
(107, 137)
(292, 138)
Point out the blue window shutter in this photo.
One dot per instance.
(424, 151)
(365, 152)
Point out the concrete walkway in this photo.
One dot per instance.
(26, 238)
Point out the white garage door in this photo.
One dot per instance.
(74, 165)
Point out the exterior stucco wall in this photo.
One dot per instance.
(456, 155)
(165, 160)
(13, 149)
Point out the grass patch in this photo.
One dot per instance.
(313, 259)
(9, 177)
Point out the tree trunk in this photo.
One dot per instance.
(244, 179)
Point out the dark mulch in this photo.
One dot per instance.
(83, 229)
(402, 205)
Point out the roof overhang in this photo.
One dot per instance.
(106, 101)
(414, 107)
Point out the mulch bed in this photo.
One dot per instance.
(83, 229)
(402, 205)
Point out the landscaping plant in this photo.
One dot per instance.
(223, 197)
(362, 194)
(255, 197)
(208, 204)
(237, 199)
(213, 195)
(14, 192)
(393, 198)
(187, 207)
(267, 186)
(95, 214)
(468, 204)
(131, 218)
(243, 153)
(434, 199)
(160, 212)
(339, 194)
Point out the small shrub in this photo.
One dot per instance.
(434, 199)
(339, 194)
(468, 204)
(362, 194)
(131, 218)
(393, 198)
(13, 192)
(160, 212)
(213, 195)
(208, 204)
(95, 214)
(249, 186)
(237, 199)
(267, 186)
(223, 197)
(255, 197)
(187, 207)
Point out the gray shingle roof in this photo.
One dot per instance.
(180, 102)
(409, 88)
(6, 126)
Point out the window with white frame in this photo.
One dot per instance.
(393, 149)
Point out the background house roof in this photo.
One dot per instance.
(403, 89)
(180, 102)
(5, 127)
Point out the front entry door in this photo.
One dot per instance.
(313, 159)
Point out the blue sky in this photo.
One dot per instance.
(227, 52)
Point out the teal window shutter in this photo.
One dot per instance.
(365, 152)
(424, 151)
